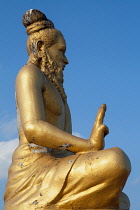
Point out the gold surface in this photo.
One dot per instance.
(51, 168)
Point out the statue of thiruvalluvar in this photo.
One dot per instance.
(51, 168)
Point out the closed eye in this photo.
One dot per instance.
(62, 49)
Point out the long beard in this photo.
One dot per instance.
(54, 73)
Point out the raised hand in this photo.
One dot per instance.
(99, 130)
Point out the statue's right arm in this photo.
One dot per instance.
(29, 86)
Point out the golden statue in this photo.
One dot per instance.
(51, 168)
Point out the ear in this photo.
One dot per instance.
(39, 46)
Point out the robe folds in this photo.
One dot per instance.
(39, 178)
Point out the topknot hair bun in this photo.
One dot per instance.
(32, 16)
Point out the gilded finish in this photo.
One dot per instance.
(51, 168)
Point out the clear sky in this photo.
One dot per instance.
(103, 48)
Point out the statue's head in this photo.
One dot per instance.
(46, 46)
(44, 41)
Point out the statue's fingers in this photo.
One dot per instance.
(100, 115)
(106, 131)
(103, 129)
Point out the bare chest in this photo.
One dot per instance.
(53, 105)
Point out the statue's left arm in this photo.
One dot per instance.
(29, 87)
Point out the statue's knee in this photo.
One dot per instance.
(119, 162)
(121, 158)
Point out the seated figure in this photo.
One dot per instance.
(51, 168)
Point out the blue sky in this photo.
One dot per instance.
(103, 48)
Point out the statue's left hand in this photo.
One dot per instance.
(99, 130)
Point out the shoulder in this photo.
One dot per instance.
(30, 72)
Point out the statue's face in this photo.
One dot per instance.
(57, 52)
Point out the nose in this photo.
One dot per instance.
(66, 60)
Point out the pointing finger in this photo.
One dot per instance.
(100, 115)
